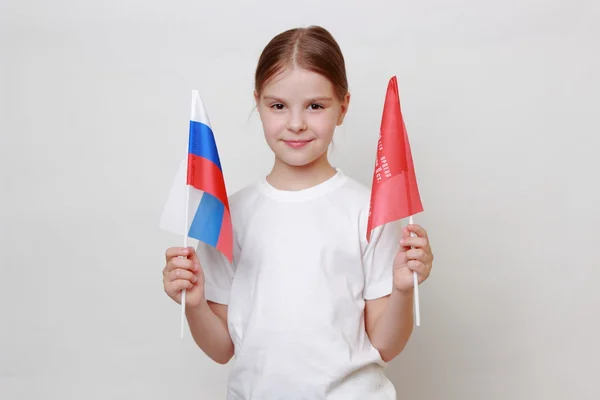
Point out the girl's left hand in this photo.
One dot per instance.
(419, 258)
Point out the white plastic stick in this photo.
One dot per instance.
(185, 244)
(416, 284)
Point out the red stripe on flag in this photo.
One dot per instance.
(204, 175)
(225, 243)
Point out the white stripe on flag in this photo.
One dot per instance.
(173, 214)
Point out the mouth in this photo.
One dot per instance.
(296, 144)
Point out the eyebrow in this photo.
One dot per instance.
(312, 99)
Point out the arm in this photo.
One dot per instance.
(389, 323)
(208, 325)
(389, 319)
(207, 320)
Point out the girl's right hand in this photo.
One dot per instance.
(183, 271)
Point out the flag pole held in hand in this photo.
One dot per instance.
(416, 285)
(394, 192)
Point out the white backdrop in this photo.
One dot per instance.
(498, 99)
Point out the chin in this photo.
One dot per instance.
(297, 161)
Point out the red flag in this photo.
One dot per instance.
(394, 194)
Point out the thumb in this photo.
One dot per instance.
(405, 235)
(193, 256)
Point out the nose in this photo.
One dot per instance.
(296, 122)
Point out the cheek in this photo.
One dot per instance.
(324, 125)
(271, 127)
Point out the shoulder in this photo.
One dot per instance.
(356, 189)
(355, 194)
(352, 199)
(243, 195)
(243, 201)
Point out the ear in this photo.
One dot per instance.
(344, 109)
(256, 103)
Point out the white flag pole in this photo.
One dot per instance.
(416, 284)
(185, 245)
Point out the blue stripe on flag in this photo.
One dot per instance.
(202, 142)
(206, 225)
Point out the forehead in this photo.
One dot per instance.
(298, 82)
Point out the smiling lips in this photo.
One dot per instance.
(296, 144)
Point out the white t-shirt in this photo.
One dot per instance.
(296, 292)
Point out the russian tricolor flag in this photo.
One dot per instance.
(198, 198)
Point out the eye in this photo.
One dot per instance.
(277, 106)
(315, 106)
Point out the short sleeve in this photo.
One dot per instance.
(218, 272)
(378, 260)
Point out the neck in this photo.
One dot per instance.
(287, 177)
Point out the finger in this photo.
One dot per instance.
(182, 263)
(414, 242)
(417, 230)
(416, 254)
(177, 286)
(193, 256)
(418, 267)
(176, 252)
(179, 273)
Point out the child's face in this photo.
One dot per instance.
(299, 113)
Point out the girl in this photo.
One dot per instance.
(309, 308)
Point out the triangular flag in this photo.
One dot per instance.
(394, 194)
(200, 185)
